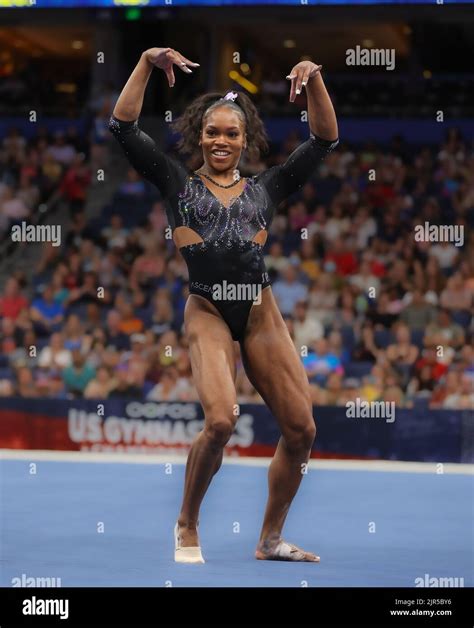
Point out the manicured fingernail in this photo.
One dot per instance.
(303, 83)
(183, 63)
(298, 91)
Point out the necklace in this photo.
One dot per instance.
(230, 185)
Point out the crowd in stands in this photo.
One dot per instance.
(34, 172)
(373, 312)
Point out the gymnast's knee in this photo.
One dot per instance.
(301, 436)
(218, 429)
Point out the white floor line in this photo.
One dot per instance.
(337, 465)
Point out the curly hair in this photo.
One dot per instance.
(189, 124)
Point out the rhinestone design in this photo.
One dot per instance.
(218, 225)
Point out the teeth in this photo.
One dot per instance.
(221, 153)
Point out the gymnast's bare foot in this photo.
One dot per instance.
(274, 548)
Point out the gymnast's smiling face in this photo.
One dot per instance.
(222, 139)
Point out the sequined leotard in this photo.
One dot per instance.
(227, 258)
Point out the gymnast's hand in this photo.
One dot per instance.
(164, 58)
(300, 75)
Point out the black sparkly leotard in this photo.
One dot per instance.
(227, 266)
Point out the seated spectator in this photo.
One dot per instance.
(78, 374)
(322, 298)
(433, 370)
(444, 332)
(73, 333)
(138, 350)
(101, 386)
(87, 292)
(46, 313)
(320, 362)
(445, 253)
(7, 388)
(276, 260)
(341, 254)
(289, 290)
(418, 314)
(403, 354)
(162, 314)
(133, 186)
(308, 264)
(366, 349)
(10, 336)
(61, 151)
(129, 323)
(463, 397)
(336, 346)
(60, 292)
(55, 355)
(345, 314)
(12, 301)
(306, 327)
(129, 382)
(115, 337)
(148, 267)
(331, 393)
(455, 297)
(381, 315)
(393, 393)
(371, 388)
(25, 355)
(115, 234)
(13, 207)
(25, 383)
(365, 281)
(171, 387)
(447, 385)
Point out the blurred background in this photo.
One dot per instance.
(413, 126)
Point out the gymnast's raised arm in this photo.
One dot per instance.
(140, 149)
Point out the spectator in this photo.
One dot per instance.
(78, 374)
(114, 336)
(366, 349)
(61, 151)
(444, 332)
(25, 383)
(276, 260)
(455, 297)
(12, 301)
(289, 290)
(306, 327)
(418, 314)
(463, 398)
(101, 385)
(46, 313)
(55, 355)
(320, 362)
(403, 354)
